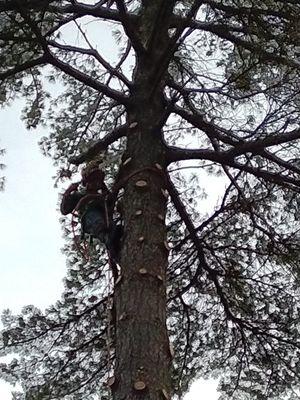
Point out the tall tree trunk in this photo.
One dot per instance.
(143, 356)
(142, 347)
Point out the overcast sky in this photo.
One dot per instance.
(32, 265)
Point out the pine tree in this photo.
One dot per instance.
(198, 293)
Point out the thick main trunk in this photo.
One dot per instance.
(143, 358)
(142, 346)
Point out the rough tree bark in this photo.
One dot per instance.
(143, 356)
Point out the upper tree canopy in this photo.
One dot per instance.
(229, 72)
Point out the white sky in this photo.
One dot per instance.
(32, 265)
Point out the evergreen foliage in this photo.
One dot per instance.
(229, 74)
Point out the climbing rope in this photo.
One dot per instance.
(83, 251)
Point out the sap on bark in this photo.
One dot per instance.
(141, 184)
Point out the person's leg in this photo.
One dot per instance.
(94, 223)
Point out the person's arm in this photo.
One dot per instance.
(70, 199)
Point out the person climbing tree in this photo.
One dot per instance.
(94, 203)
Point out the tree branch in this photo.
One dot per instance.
(96, 11)
(127, 25)
(87, 80)
(224, 158)
(240, 147)
(212, 130)
(244, 11)
(212, 274)
(94, 53)
(256, 146)
(173, 45)
(23, 67)
(80, 9)
(100, 145)
(223, 32)
(70, 70)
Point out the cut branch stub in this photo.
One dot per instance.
(127, 161)
(161, 217)
(165, 193)
(120, 277)
(165, 394)
(166, 246)
(122, 317)
(139, 385)
(172, 351)
(111, 381)
(143, 271)
(141, 184)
